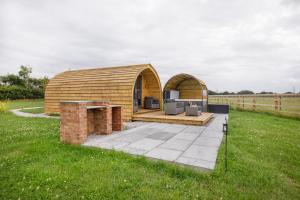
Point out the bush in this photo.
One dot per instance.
(3, 107)
(18, 92)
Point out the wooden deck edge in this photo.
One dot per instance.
(173, 121)
(168, 121)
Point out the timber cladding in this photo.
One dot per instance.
(115, 84)
(190, 87)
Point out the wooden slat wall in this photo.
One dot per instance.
(114, 84)
(150, 86)
(190, 89)
(189, 86)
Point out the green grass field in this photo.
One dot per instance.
(263, 164)
(25, 103)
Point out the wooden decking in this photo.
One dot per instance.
(159, 116)
(143, 111)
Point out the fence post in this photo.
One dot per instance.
(276, 102)
(238, 102)
(254, 103)
(280, 102)
(243, 102)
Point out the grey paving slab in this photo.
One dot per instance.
(144, 130)
(208, 141)
(201, 153)
(189, 145)
(159, 125)
(133, 151)
(150, 130)
(146, 144)
(129, 138)
(175, 128)
(212, 133)
(176, 144)
(164, 154)
(96, 139)
(114, 144)
(215, 127)
(130, 125)
(194, 162)
(187, 136)
(161, 135)
(194, 129)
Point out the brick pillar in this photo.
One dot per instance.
(117, 121)
(103, 121)
(73, 126)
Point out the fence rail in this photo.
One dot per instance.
(285, 104)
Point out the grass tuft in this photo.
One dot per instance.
(3, 107)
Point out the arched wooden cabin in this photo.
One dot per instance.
(125, 85)
(188, 86)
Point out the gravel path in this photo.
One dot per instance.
(19, 112)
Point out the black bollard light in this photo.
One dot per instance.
(225, 131)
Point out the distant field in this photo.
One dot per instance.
(284, 104)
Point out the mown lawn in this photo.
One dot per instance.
(263, 164)
(25, 103)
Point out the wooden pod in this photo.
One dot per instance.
(115, 84)
(189, 86)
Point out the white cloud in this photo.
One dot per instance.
(232, 45)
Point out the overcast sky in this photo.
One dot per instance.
(230, 44)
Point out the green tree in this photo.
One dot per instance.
(210, 92)
(38, 83)
(11, 79)
(245, 92)
(24, 74)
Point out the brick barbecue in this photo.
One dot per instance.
(79, 119)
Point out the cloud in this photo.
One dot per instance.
(231, 45)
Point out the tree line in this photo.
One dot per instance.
(210, 92)
(22, 85)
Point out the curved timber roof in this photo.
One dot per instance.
(115, 84)
(190, 86)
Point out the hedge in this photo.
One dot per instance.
(17, 92)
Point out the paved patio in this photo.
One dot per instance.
(184, 144)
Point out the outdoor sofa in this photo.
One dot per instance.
(193, 110)
(174, 108)
(151, 103)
